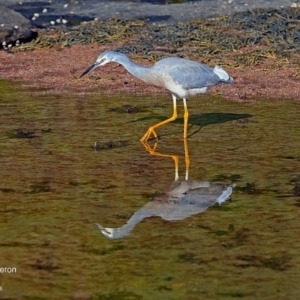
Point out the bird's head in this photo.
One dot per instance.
(103, 59)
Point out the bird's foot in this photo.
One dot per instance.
(147, 135)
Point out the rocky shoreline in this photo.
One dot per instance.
(264, 63)
(17, 18)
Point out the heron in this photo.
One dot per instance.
(183, 78)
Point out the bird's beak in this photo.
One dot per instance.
(95, 65)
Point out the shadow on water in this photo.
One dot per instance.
(184, 199)
(202, 120)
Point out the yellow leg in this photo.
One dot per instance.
(186, 118)
(187, 159)
(152, 128)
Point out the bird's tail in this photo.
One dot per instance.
(223, 75)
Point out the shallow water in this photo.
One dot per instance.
(55, 186)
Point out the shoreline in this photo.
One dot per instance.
(261, 54)
(57, 71)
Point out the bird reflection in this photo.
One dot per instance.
(184, 199)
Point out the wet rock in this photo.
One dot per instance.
(21, 133)
(109, 145)
(296, 189)
(13, 28)
(127, 108)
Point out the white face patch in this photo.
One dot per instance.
(102, 61)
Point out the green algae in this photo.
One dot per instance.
(55, 186)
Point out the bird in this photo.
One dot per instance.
(182, 77)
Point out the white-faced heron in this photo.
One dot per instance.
(182, 77)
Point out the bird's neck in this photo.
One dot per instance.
(143, 73)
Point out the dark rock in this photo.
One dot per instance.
(13, 27)
(151, 11)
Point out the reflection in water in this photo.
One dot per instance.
(184, 199)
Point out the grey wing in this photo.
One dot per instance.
(193, 75)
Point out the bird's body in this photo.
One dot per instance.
(182, 77)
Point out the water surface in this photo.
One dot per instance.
(55, 186)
